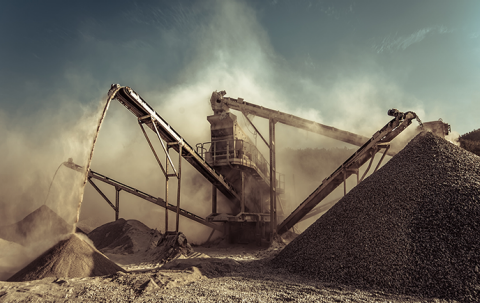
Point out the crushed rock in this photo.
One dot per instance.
(69, 258)
(210, 267)
(413, 227)
(123, 237)
(39, 224)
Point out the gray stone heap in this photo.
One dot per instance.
(413, 227)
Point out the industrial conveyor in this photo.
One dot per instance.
(120, 186)
(133, 102)
(381, 139)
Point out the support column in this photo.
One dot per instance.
(166, 191)
(117, 202)
(242, 202)
(214, 199)
(273, 196)
(179, 178)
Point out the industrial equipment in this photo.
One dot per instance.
(235, 167)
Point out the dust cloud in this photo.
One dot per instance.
(230, 51)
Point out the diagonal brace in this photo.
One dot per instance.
(164, 147)
(101, 193)
(151, 147)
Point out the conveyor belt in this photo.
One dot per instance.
(150, 198)
(381, 138)
(155, 200)
(133, 102)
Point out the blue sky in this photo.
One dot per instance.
(427, 50)
(341, 63)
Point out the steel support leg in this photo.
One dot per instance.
(273, 196)
(214, 199)
(179, 178)
(242, 202)
(117, 202)
(166, 192)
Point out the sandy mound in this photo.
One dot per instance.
(412, 227)
(68, 259)
(41, 223)
(123, 237)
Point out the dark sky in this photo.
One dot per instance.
(341, 63)
(427, 51)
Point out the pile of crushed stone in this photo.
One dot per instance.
(70, 258)
(123, 237)
(132, 237)
(40, 224)
(413, 227)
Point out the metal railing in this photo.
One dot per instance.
(233, 149)
(244, 152)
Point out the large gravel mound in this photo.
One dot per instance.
(412, 227)
(71, 258)
(40, 224)
(123, 237)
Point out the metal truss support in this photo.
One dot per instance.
(117, 202)
(214, 199)
(242, 201)
(115, 208)
(348, 172)
(387, 147)
(165, 168)
(372, 153)
(273, 194)
(179, 178)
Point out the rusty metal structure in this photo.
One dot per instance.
(234, 166)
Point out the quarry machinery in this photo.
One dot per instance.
(223, 127)
(235, 167)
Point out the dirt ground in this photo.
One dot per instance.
(212, 274)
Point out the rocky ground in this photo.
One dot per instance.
(408, 233)
(214, 274)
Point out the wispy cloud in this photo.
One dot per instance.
(395, 42)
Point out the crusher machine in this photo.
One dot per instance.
(235, 167)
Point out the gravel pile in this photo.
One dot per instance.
(69, 258)
(413, 227)
(40, 224)
(123, 237)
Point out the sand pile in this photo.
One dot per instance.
(40, 224)
(123, 237)
(69, 258)
(413, 227)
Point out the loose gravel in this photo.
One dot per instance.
(413, 227)
(69, 258)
